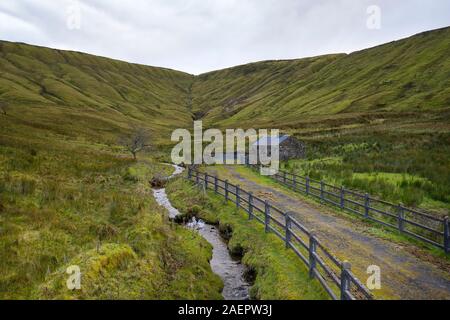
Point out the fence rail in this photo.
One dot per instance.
(335, 276)
(425, 227)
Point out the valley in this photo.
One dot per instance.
(377, 120)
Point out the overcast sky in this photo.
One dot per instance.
(202, 35)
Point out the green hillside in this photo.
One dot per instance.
(82, 95)
(70, 195)
(408, 75)
(376, 120)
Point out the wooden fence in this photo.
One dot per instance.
(335, 276)
(422, 226)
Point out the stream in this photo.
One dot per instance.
(228, 269)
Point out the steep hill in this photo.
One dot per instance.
(83, 95)
(410, 75)
(56, 88)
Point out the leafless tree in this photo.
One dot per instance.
(3, 107)
(139, 140)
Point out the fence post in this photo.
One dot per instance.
(250, 205)
(266, 215)
(238, 199)
(401, 217)
(216, 184)
(206, 180)
(294, 178)
(288, 234)
(446, 235)
(307, 185)
(189, 172)
(284, 176)
(202, 187)
(366, 205)
(322, 189)
(226, 190)
(312, 252)
(342, 197)
(345, 279)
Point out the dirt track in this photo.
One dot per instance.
(404, 275)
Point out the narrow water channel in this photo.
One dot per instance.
(228, 269)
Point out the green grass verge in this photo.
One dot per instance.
(372, 228)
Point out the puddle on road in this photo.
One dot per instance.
(228, 269)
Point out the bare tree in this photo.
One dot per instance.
(139, 140)
(3, 107)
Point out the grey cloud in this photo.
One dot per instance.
(202, 35)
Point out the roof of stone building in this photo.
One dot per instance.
(268, 140)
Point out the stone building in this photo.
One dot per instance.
(290, 147)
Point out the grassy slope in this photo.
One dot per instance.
(81, 95)
(407, 75)
(68, 193)
(64, 202)
(381, 115)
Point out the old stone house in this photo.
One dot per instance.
(290, 147)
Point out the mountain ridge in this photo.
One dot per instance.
(408, 75)
(395, 75)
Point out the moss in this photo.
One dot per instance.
(116, 271)
(104, 271)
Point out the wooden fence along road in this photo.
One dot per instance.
(422, 226)
(335, 276)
